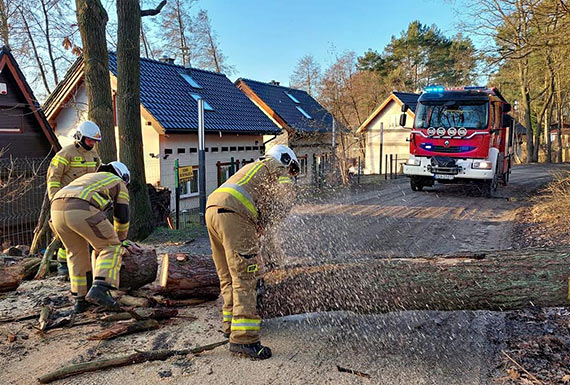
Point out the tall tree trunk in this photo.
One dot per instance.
(4, 25)
(92, 19)
(548, 139)
(525, 104)
(34, 48)
(128, 114)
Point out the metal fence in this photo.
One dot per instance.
(22, 190)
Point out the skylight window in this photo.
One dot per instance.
(292, 97)
(190, 81)
(305, 114)
(207, 107)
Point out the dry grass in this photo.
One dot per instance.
(548, 219)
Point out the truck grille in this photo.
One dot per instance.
(444, 170)
(450, 149)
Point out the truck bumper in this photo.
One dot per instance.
(465, 170)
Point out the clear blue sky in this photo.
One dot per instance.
(265, 39)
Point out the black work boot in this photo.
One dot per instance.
(100, 294)
(255, 351)
(81, 305)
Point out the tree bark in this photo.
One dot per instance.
(92, 20)
(42, 227)
(124, 329)
(137, 269)
(128, 114)
(183, 276)
(498, 280)
(525, 104)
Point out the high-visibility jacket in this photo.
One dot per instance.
(261, 191)
(102, 190)
(71, 162)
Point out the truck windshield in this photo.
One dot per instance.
(449, 114)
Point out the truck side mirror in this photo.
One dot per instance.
(404, 107)
(403, 120)
(506, 108)
(507, 120)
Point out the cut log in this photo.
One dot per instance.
(496, 280)
(156, 314)
(124, 329)
(183, 276)
(138, 269)
(15, 271)
(129, 300)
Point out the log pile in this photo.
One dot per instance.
(184, 276)
(497, 280)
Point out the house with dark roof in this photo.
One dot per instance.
(24, 129)
(234, 126)
(307, 127)
(384, 135)
(27, 143)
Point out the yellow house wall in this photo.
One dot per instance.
(393, 138)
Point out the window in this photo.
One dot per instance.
(305, 114)
(303, 166)
(190, 188)
(214, 149)
(294, 99)
(193, 149)
(233, 148)
(190, 81)
(255, 148)
(168, 151)
(225, 173)
(224, 149)
(241, 148)
(181, 151)
(207, 107)
(205, 149)
(248, 148)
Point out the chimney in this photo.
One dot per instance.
(274, 83)
(166, 59)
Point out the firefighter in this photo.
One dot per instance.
(79, 218)
(258, 195)
(71, 162)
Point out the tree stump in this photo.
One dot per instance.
(183, 276)
(137, 269)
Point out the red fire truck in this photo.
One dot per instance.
(460, 135)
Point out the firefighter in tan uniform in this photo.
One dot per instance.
(70, 163)
(79, 218)
(257, 195)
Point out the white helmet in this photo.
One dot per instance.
(118, 169)
(88, 129)
(286, 157)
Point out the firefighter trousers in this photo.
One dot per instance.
(235, 250)
(79, 224)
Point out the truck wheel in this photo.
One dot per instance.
(416, 184)
(490, 186)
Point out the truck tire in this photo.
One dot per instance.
(416, 184)
(490, 187)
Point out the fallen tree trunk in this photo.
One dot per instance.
(13, 274)
(138, 268)
(495, 280)
(183, 276)
(136, 358)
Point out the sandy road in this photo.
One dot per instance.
(395, 221)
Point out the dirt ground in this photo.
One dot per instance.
(408, 347)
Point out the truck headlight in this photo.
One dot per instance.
(482, 164)
(413, 162)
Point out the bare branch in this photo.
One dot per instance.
(153, 12)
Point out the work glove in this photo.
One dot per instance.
(131, 246)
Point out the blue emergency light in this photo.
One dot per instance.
(434, 89)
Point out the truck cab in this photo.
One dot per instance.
(460, 135)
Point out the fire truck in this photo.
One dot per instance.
(460, 135)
